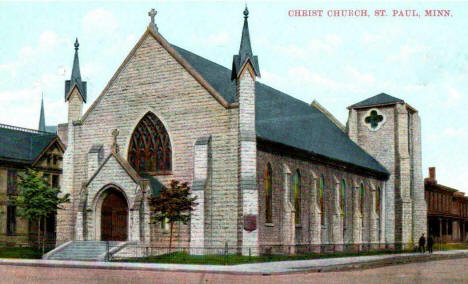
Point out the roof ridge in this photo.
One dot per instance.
(24, 129)
(328, 114)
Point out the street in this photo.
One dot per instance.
(444, 271)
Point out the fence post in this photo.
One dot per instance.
(107, 251)
(226, 251)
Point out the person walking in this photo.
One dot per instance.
(430, 243)
(422, 243)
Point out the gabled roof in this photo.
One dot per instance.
(380, 99)
(122, 162)
(279, 117)
(22, 145)
(283, 119)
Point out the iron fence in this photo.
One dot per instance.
(227, 253)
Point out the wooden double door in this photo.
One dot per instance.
(114, 217)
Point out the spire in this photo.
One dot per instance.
(76, 76)
(42, 126)
(245, 51)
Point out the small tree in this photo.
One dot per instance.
(36, 200)
(173, 204)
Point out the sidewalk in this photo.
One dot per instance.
(282, 267)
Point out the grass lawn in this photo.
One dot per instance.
(17, 252)
(451, 246)
(185, 258)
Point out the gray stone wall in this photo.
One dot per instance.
(307, 231)
(396, 144)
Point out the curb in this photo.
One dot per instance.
(226, 269)
(377, 263)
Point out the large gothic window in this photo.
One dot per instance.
(150, 149)
(268, 194)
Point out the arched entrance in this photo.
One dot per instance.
(114, 217)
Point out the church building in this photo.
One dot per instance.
(270, 172)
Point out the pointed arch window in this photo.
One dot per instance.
(377, 201)
(343, 197)
(150, 149)
(268, 194)
(320, 199)
(361, 199)
(343, 203)
(297, 197)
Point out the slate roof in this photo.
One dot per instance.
(155, 185)
(21, 144)
(380, 99)
(283, 119)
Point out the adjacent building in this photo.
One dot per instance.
(22, 148)
(447, 210)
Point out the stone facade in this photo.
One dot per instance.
(152, 80)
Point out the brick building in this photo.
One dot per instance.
(22, 148)
(268, 169)
(447, 210)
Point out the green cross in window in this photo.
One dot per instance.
(373, 119)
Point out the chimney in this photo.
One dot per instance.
(432, 173)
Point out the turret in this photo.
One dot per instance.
(244, 72)
(75, 89)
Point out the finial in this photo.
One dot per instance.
(77, 44)
(115, 146)
(246, 12)
(152, 14)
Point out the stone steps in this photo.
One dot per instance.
(84, 250)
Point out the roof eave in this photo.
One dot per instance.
(374, 105)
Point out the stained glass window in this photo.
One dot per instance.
(377, 201)
(268, 194)
(343, 197)
(320, 198)
(150, 148)
(361, 199)
(297, 197)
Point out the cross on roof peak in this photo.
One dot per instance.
(152, 13)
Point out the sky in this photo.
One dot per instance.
(336, 61)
